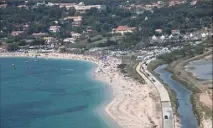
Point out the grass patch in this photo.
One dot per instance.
(128, 68)
(186, 84)
(154, 64)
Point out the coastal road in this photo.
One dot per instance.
(167, 113)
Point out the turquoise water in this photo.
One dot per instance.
(49, 94)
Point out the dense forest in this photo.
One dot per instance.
(185, 17)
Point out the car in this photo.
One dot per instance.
(153, 80)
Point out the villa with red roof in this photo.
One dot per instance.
(123, 29)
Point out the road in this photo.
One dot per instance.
(167, 116)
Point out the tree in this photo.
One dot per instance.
(38, 42)
(22, 43)
(12, 47)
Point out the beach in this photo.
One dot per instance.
(134, 105)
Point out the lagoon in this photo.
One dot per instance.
(201, 69)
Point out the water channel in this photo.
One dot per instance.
(187, 117)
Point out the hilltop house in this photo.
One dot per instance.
(16, 33)
(50, 40)
(69, 40)
(175, 32)
(74, 18)
(40, 34)
(123, 29)
(81, 7)
(54, 29)
(158, 30)
(75, 35)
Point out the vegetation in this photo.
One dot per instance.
(12, 47)
(185, 17)
(128, 68)
(186, 51)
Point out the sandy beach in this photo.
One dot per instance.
(134, 105)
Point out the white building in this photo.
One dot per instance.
(81, 6)
(50, 40)
(162, 37)
(75, 35)
(69, 40)
(158, 30)
(203, 35)
(54, 29)
(154, 38)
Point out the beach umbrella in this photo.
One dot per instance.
(101, 57)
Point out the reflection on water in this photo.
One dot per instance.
(202, 69)
(188, 120)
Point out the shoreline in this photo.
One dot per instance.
(130, 99)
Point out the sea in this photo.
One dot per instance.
(40, 93)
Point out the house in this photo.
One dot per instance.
(158, 30)
(76, 23)
(74, 18)
(16, 33)
(50, 4)
(75, 35)
(148, 7)
(25, 26)
(170, 36)
(50, 40)
(155, 4)
(54, 29)
(81, 7)
(186, 37)
(175, 32)
(154, 38)
(193, 2)
(3, 5)
(22, 6)
(69, 40)
(90, 32)
(40, 34)
(203, 35)
(162, 37)
(123, 29)
(40, 3)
